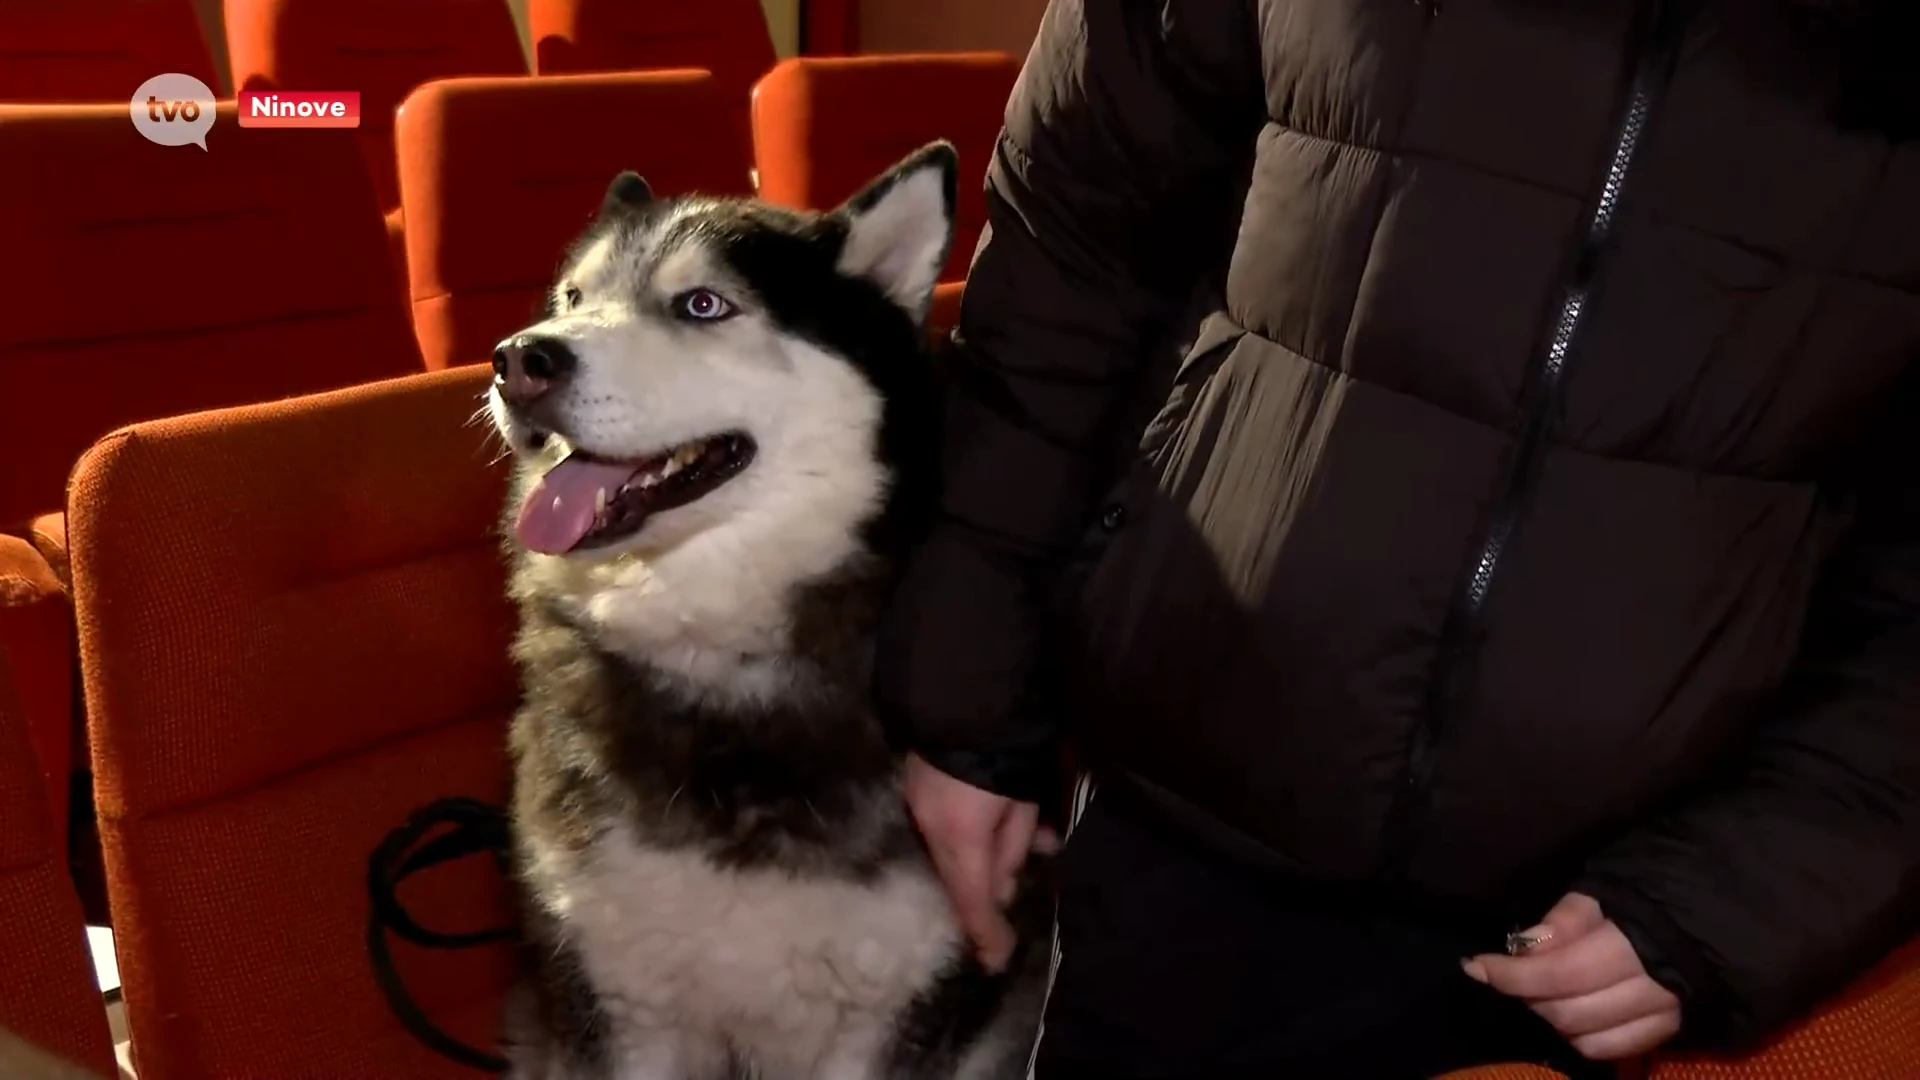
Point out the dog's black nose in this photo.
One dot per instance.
(525, 367)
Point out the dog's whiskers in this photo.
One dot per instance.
(482, 417)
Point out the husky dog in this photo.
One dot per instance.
(725, 432)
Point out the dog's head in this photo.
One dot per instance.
(719, 376)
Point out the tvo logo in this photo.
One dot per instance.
(173, 110)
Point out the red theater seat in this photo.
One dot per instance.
(48, 995)
(251, 271)
(824, 126)
(381, 48)
(36, 642)
(70, 51)
(726, 37)
(498, 175)
(294, 633)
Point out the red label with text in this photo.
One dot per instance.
(305, 108)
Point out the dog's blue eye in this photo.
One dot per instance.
(703, 305)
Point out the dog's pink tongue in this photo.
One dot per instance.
(560, 509)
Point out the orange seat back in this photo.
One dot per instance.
(68, 51)
(824, 126)
(293, 633)
(36, 639)
(1870, 1031)
(727, 37)
(142, 281)
(381, 48)
(498, 175)
(48, 995)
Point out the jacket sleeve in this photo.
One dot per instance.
(1759, 898)
(1124, 138)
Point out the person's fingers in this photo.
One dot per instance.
(1012, 841)
(961, 826)
(1621, 1003)
(1574, 917)
(966, 869)
(1630, 1039)
(1045, 841)
(1591, 963)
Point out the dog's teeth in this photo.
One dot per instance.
(600, 501)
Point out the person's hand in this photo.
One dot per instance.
(1583, 977)
(978, 841)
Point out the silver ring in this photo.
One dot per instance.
(1520, 941)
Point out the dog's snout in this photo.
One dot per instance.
(525, 368)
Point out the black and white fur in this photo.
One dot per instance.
(719, 877)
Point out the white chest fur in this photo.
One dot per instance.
(805, 975)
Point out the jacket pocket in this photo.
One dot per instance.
(1218, 336)
(1138, 495)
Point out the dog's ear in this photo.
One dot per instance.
(627, 192)
(900, 226)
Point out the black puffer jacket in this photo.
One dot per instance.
(1537, 505)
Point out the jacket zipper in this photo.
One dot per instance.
(1659, 48)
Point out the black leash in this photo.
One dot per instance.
(476, 827)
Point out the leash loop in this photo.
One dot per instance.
(475, 828)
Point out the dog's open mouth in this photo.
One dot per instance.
(587, 502)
